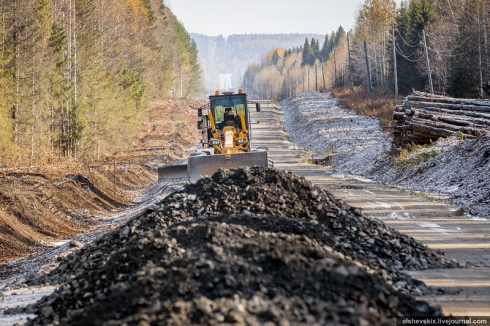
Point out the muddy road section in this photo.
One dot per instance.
(437, 225)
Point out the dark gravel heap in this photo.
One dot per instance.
(239, 269)
(265, 191)
(246, 246)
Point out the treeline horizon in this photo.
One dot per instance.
(457, 53)
(283, 72)
(76, 76)
(231, 55)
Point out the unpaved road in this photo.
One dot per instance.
(436, 225)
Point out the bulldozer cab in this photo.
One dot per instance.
(227, 110)
(226, 134)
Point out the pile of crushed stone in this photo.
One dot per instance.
(237, 270)
(246, 246)
(265, 191)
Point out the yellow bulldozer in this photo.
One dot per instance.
(226, 135)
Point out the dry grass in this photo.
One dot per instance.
(42, 201)
(380, 104)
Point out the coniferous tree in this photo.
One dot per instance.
(339, 34)
(324, 54)
(275, 57)
(315, 47)
(467, 56)
(76, 75)
(413, 18)
(331, 44)
(308, 54)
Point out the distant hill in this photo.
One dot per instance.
(231, 56)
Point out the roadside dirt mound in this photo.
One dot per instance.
(43, 204)
(317, 122)
(241, 270)
(166, 136)
(37, 210)
(463, 172)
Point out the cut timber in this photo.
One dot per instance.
(457, 120)
(425, 117)
(448, 126)
(429, 131)
(485, 116)
(449, 106)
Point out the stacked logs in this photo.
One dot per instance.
(425, 117)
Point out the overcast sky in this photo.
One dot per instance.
(226, 17)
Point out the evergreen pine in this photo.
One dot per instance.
(324, 54)
(306, 53)
(315, 48)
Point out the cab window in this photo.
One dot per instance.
(218, 107)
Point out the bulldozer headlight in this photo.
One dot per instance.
(214, 142)
(241, 140)
(204, 141)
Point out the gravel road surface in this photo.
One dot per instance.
(226, 251)
(437, 225)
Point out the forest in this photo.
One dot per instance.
(436, 46)
(76, 76)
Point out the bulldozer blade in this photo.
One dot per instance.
(172, 173)
(200, 166)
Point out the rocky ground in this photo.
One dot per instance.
(247, 247)
(459, 173)
(315, 121)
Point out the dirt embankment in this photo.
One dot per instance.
(40, 205)
(459, 171)
(456, 170)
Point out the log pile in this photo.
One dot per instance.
(425, 117)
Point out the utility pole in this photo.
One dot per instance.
(368, 73)
(316, 77)
(308, 74)
(394, 63)
(479, 62)
(303, 74)
(350, 70)
(323, 75)
(427, 62)
(485, 39)
(486, 44)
